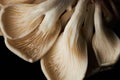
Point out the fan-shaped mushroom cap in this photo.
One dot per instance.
(106, 44)
(67, 59)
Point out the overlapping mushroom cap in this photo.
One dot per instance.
(105, 42)
(70, 61)
(59, 33)
(31, 29)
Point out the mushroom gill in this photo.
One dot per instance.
(9, 2)
(67, 59)
(106, 44)
(30, 30)
(4, 3)
(69, 37)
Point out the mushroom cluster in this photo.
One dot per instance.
(61, 34)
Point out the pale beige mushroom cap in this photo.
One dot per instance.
(106, 44)
(67, 59)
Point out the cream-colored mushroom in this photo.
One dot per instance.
(105, 42)
(30, 30)
(67, 59)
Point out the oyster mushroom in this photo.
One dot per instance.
(30, 30)
(67, 59)
(106, 44)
